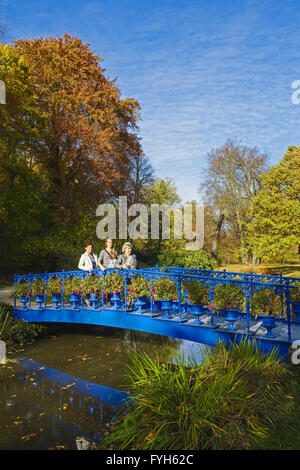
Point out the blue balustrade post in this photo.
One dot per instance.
(251, 292)
(15, 294)
(151, 296)
(45, 295)
(102, 295)
(247, 296)
(29, 301)
(179, 297)
(281, 297)
(288, 311)
(63, 291)
(81, 293)
(211, 299)
(125, 291)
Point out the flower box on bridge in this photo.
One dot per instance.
(173, 315)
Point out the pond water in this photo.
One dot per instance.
(67, 387)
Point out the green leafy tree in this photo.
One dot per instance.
(275, 212)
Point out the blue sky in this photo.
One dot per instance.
(203, 71)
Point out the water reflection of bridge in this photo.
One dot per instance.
(79, 405)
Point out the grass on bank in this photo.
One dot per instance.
(234, 400)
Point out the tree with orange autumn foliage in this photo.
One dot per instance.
(68, 142)
(89, 136)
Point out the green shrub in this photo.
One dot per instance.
(15, 330)
(188, 259)
(229, 401)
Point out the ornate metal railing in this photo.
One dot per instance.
(248, 284)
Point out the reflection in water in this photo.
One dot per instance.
(71, 385)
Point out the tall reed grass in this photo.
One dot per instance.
(228, 401)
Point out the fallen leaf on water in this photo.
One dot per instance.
(28, 437)
(67, 386)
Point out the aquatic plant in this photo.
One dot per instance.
(228, 401)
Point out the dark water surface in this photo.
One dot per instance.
(69, 386)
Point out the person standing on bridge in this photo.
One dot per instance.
(88, 261)
(127, 260)
(108, 257)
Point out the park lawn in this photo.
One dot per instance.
(291, 270)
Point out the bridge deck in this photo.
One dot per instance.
(182, 328)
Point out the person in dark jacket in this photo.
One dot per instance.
(127, 260)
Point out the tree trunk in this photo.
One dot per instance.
(216, 237)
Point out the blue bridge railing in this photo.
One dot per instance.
(248, 283)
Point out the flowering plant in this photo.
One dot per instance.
(197, 292)
(38, 287)
(295, 293)
(227, 297)
(54, 286)
(138, 287)
(266, 302)
(92, 285)
(165, 289)
(73, 285)
(22, 288)
(113, 283)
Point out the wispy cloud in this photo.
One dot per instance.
(203, 71)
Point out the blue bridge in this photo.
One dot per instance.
(177, 317)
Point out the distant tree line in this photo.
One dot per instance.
(252, 209)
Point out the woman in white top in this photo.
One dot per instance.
(88, 261)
